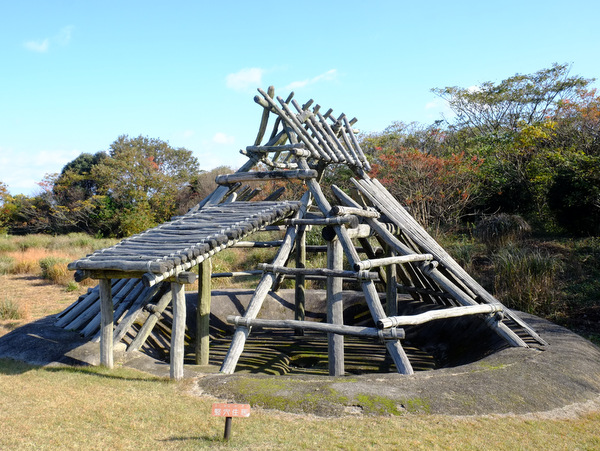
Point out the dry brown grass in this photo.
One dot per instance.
(35, 297)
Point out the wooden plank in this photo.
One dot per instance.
(120, 303)
(391, 288)
(106, 327)
(203, 313)
(284, 148)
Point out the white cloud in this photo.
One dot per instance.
(222, 138)
(437, 108)
(245, 79)
(23, 172)
(63, 37)
(37, 46)
(330, 75)
(188, 133)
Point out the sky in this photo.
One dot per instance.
(76, 75)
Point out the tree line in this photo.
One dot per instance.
(527, 146)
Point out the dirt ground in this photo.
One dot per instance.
(35, 297)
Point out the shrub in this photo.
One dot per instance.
(7, 264)
(10, 310)
(496, 231)
(435, 189)
(55, 270)
(527, 280)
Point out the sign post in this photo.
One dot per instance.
(229, 411)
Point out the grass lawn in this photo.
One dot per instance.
(95, 408)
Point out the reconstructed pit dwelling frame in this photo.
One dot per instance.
(140, 276)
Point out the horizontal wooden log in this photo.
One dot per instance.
(432, 315)
(253, 272)
(120, 265)
(339, 210)
(184, 277)
(259, 244)
(360, 275)
(349, 220)
(370, 332)
(284, 148)
(300, 174)
(395, 260)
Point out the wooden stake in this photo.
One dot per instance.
(203, 312)
(335, 309)
(299, 288)
(107, 321)
(178, 330)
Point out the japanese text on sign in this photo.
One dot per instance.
(230, 410)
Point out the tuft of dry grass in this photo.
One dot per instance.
(11, 310)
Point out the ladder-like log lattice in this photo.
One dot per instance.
(302, 144)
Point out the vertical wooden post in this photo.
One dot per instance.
(177, 330)
(300, 290)
(203, 312)
(335, 308)
(106, 323)
(391, 286)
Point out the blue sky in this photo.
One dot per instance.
(78, 74)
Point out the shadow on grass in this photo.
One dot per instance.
(10, 367)
(202, 439)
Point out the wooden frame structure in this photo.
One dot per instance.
(302, 144)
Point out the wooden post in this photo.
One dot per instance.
(203, 312)
(391, 287)
(178, 330)
(335, 309)
(106, 324)
(300, 289)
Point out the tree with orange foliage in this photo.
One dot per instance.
(435, 189)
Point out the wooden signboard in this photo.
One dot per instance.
(229, 411)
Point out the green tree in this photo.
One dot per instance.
(5, 210)
(492, 109)
(142, 176)
(519, 127)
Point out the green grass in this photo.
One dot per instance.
(527, 279)
(96, 408)
(10, 309)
